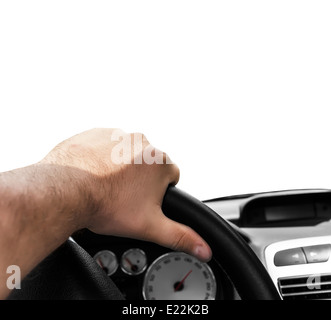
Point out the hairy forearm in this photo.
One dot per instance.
(78, 185)
(40, 207)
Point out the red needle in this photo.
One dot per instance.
(181, 283)
(101, 264)
(129, 262)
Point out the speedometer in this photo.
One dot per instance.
(179, 276)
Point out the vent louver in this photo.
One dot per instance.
(310, 287)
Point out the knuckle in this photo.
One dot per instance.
(140, 135)
(176, 170)
(173, 173)
(165, 157)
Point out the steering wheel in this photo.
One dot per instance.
(71, 273)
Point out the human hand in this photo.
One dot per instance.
(127, 198)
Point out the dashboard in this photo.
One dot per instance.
(290, 233)
(146, 271)
(288, 230)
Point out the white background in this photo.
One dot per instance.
(237, 92)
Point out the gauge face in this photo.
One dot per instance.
(107, 261)
(134, 261)
(179, 276)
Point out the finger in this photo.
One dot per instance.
(179, 237)
(173, 173)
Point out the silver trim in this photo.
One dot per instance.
(302, 270)
(302, 285)
(305, 293)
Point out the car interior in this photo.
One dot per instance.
(266, 246)
(237, 93)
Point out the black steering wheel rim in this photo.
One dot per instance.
(70, 273)
(238, 260)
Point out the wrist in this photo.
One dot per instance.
(68, 193)
(46, 197)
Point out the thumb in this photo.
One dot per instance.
(179, 237)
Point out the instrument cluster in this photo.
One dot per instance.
(144, 270)
(171, 276)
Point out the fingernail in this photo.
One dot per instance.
(203, 253)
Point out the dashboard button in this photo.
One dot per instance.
(316, 254)
(289, 257)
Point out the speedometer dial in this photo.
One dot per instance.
(178, 276)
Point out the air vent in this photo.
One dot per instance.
(311, 287)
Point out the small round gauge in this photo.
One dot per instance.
(179, 276)
(107, 261)
(134, 261)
